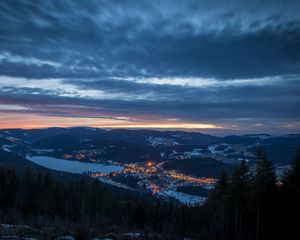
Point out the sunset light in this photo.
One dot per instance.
(26, 121)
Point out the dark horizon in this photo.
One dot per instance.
(206, 132)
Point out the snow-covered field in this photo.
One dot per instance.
(154, 141)
(183, 198)
(113, 183)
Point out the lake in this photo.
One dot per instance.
(73, 166)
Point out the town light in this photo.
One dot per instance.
(149, 164)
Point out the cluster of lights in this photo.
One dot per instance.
(188, 178)
(148, 168)
(163, 178)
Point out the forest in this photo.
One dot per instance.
(250, 203)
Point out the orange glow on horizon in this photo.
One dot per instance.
(28, 121)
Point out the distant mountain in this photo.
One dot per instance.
(125, 151)
(141, 136)
(134, 136)
(62, 141)
(37, 134)
(280, 149)
(245, 139)
(125, 145)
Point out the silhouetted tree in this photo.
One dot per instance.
(290, 192)
(264, 191)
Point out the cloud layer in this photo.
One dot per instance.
(233, 64)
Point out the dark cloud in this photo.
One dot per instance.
(161, 38)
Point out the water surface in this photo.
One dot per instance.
(73, 166)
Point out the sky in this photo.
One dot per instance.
(222, 67)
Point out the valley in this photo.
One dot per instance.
(174, 166)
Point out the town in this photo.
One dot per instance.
(151, 177)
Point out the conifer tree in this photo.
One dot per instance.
(264, 191)
(238, 194)
(291, 198)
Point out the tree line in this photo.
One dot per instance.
(251, 203)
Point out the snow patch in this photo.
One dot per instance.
(183, 197)
(65, 238)
(154, 141)
(6, 148)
